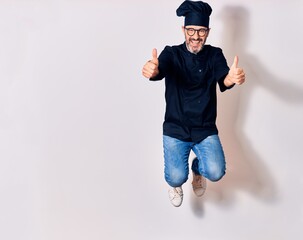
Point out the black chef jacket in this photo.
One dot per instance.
(190, 93)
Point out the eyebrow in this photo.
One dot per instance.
(196, 28)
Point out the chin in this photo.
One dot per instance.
(195, 50)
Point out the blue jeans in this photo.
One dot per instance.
(209, 161)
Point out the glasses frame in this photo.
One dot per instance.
(201, 31)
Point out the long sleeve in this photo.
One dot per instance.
(221, 70)
(165, 63)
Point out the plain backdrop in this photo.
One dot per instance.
(81, 128)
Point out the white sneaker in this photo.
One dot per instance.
(176, 196)
(199, 184)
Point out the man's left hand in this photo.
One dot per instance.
(235, 75)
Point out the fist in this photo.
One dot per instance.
(150, 69)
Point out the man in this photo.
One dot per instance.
(191, 71)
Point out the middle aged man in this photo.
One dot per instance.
(192, 71)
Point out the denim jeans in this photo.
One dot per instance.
(209, 161)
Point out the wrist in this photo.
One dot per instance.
(227, 81)
(155, 73)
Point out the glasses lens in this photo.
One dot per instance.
(202, 32)
(190, 31)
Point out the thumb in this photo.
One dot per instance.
(155, 56)
(235, 63)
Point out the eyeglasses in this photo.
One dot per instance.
(201, 32)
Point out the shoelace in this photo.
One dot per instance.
(176, 193)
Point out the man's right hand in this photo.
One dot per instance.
(150, 69)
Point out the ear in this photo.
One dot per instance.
(183, 29)
(208, 32)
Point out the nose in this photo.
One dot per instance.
(196, 35)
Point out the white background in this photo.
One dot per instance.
(81, 129)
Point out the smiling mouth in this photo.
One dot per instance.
(194, 45)
(195, 41)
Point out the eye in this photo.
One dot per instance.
(202, 31)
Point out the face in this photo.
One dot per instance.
(195, 37)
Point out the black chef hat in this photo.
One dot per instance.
(195, 13)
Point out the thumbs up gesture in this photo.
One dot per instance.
(235, 75)
(150, 69)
